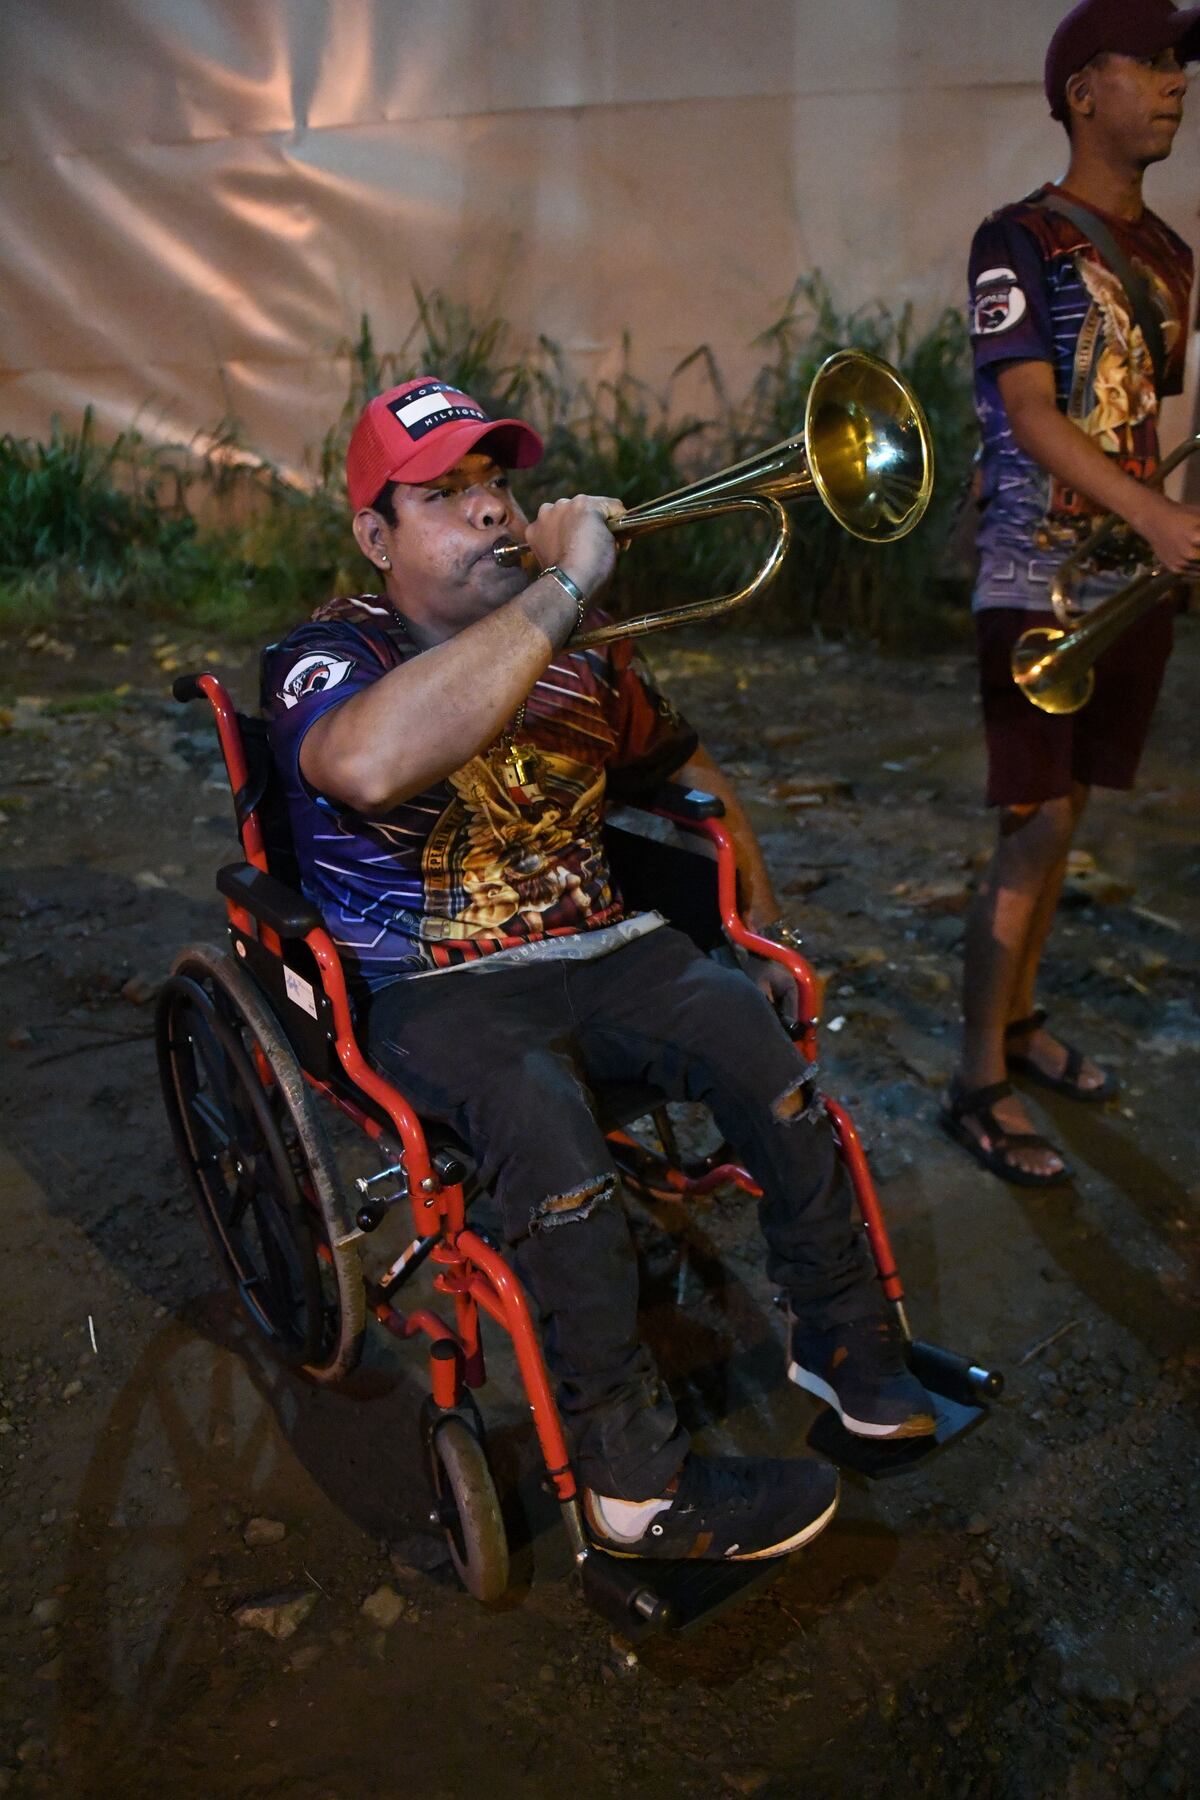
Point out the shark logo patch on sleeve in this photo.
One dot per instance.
(313, 674)
(999, 302)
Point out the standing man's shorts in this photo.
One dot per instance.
(1035, 756)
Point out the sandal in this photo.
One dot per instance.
(977, 1103)
(1068, 1082)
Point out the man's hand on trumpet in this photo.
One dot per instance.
(574, 535)
(1172, 531)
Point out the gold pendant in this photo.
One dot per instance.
(520, 761)
(514, 764)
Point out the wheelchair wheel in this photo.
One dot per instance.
(469, 1510)
(258, 1164)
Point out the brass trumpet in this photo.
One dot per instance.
(865, 451)
(1054, 668)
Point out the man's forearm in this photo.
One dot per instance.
(421, 721)
(1061, 447)
(1063, 450)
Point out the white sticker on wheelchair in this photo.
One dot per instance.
(299, 991)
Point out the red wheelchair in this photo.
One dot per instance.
(249, 1038)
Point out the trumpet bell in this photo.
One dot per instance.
(1054, 669)
(865, 451)
(869, 449)
(1038, 672)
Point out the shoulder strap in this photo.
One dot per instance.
(1097, 233)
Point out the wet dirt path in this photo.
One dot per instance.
(1020, 1618)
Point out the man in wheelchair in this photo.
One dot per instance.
(446, 758)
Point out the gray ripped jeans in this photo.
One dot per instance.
(506, 1058)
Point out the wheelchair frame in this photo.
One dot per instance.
(297, 1019)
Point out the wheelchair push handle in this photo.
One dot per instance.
(187, 687)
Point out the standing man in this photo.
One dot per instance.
(1079, 309)
(445, 756)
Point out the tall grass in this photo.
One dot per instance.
(215, 536)
(832, 581)
(220, 538)
(72, 502)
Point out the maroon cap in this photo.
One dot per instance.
(1123, 27)
(419, 430)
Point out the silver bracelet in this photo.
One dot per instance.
(572, 589)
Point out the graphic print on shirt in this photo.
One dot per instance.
(999, 302)
(498, 867)
(1121, 372)
(1112, 395)
(479, 861)
(313, 675)
(1041, 292)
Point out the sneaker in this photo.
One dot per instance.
(739, 1509)
(859, 1370)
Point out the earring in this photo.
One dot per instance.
(385, 562)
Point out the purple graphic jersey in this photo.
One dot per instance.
(504, 852)
(1041, 293)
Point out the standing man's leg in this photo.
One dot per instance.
(1006, 932)
(1024, 995)
(1040, 767)
(1009, 869)
(1108, 736)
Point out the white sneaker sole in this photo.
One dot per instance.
(821, 1390)
(813, 1529)
(805, 1535)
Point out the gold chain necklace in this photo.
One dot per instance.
(518, 760)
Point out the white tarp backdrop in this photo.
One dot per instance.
(199, 198)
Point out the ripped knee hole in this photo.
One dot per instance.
(573, 1207)
(797, 1101)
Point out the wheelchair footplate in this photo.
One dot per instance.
(959, 1390)
(640, 1598)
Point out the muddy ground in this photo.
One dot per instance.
(1017, 1619)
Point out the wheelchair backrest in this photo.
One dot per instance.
(263, 795)
(659, 866)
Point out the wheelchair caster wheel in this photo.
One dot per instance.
(468, 1509)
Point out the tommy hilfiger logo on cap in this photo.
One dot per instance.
(417, 431)
(423, 409)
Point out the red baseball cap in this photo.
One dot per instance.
(1122, 27)
(416, 431)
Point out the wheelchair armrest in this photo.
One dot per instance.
(273, 904)
(685, 802)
